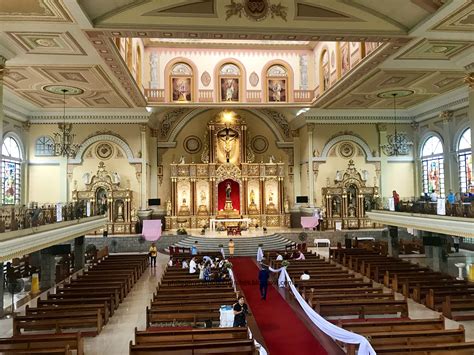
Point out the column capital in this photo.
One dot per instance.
(310, 127)
(143, 127)
(415, 125)
(446, 116)
(469, 79)
(3, 61)
(295, 133)
(382, 127)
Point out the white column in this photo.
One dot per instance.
(310, 164)
(469, 80)
(145, 170)
(384, 191)
(154, 165)
(450, 164)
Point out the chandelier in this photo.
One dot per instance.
(63, 144)
(397, 143)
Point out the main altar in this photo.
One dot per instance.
(347, 200)
(227, 184)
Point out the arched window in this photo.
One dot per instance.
(465, 161)
(44, 147)
(325, 73)
(433, 166)
(181, 81)
(277, 83)
(11, 170)
(229, 82)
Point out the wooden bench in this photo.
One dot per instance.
(24, 343)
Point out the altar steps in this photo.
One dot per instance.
(244, 246)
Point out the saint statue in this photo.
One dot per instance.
(270, 197)
(203, 197)
(252, 197)
(228, 190)
(168, 208)
(227, 136)
(276, 91)
(229, 92)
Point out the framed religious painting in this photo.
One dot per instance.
(229, 89)
(181, 88)
(277, 90)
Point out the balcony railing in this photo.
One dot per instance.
(206, 95)
(458, 209)
(155, 95)
(303, 95)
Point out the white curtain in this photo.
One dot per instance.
(259, 254)
(327, 327)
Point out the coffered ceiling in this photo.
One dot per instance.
(58, 42)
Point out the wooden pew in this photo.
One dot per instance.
(43, 342)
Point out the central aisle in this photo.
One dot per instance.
(283, 331)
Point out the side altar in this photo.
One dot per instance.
(227, 183)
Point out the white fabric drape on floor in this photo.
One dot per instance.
(328, 328)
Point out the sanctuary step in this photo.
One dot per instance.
(244, 246)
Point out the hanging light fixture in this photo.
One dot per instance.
(397, 143)
(64, 140)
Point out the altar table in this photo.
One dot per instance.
(213, 221)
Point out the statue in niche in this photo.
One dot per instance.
(101, 200)
(365, 175)
(271, 160)
(181, 160)
(228, 190)
(203, 197)
(339, 175)
(351, 211)
(336, 206)
(120, 211)
(351, 194)
(86, 178)
(252, 197)
(287, 206)
(270, 197)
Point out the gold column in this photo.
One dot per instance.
(243, 157)
(211, 196)
(344, 204)
(245, 194)
(174, 197)
(281, 194)
(212, 158)
(360, 206)
(193, 196)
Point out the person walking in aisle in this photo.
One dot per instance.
(152, 252)
(263, 276)
(194, 248)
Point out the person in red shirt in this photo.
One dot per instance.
(396, 199)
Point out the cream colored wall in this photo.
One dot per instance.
(44, 182)
(206, 60)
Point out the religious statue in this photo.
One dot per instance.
(86, 178)
(120, 211)
(229, 92)
(365, 175)
(252, 197)
(228, 190)
(181, 160)
(168, 208)
(271, 160)
(228, 137)
(203, 197)
(339, 175)
(270, 197)
(116, 178)
(286, 206)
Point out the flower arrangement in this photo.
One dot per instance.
(228, 265)
(285, 263)
(181, 231)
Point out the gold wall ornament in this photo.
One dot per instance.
(256, 10)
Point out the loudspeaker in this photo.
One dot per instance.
(105, 234)
(154, 202)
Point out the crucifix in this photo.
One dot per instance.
(227, 136)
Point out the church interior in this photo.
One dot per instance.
(158, 156)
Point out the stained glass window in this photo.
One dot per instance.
(11, 171)
(433, 166)
(465, 161)
(44, 147)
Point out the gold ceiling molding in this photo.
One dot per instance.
(98, 90)
(462, 20)
(33, 10)
(435, 50)
(62, 43)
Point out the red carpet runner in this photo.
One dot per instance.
(283, 331)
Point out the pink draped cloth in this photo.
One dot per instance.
(309, 222)
(151, 229)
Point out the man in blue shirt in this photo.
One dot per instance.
(194, 249)
(451, 197)
(263, 276)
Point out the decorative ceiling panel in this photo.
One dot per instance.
(435, 50)
(461, 20)
(33, 10)
(47, 43)
(98, 90)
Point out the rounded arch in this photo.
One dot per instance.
(458, 136)
(190, 115)
(347, 137)
(424, 139)
(18, 140)
(167, 76)
(104, 137)
(242, 78)
(290, 79)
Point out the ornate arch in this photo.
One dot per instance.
(188, 116)
(242, 78)
(347, 137)
(290, 78)
(104, 137)
(19, 141)
(167, 77)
